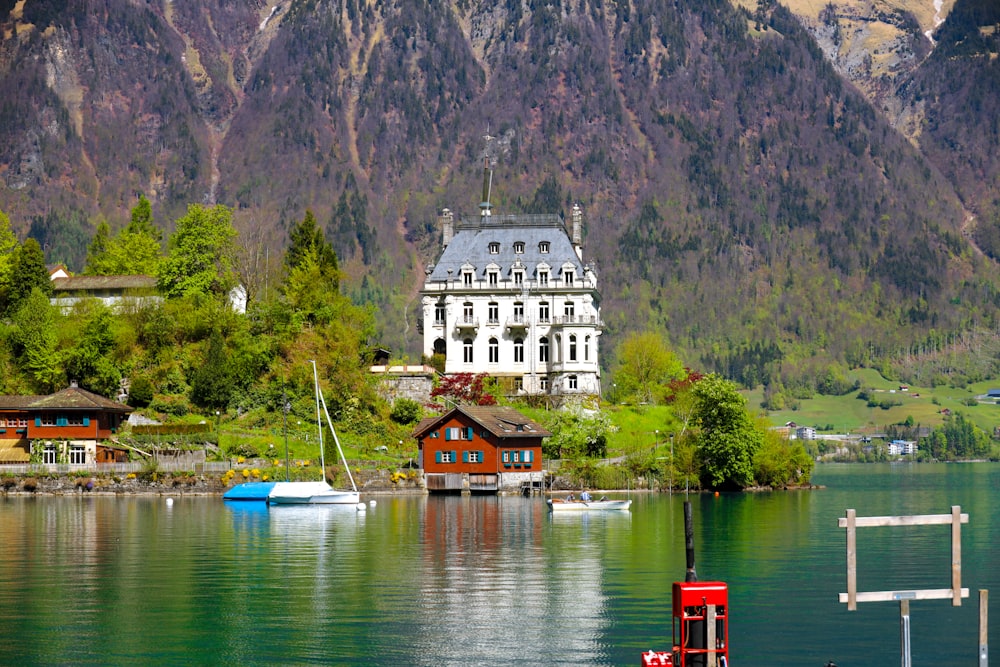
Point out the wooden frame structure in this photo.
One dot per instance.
(852, 522)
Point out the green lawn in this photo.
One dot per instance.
(923, 404)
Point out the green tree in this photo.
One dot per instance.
(34, 341)
(307, 245)
(98, 262)
(28, 272)
(8, 245)
(212, 381)
(576, 434)
(90, 360)
(200, 254)
(729, 438)
(645, 366)
(781, 462)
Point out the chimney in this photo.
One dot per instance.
(73, 384)
(576, 229)
(447, 221)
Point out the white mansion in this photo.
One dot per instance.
(510, 296)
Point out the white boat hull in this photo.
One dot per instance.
(558, 505)
(310, 493)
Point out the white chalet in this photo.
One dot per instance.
(511, 296)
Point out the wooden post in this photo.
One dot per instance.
(852, 561)
(710, 641)
(984, 598)
(904, 633)
(956, 556)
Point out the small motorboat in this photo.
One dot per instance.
(566, 505)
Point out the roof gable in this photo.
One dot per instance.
(500, 420)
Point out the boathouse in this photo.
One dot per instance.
(480, 449)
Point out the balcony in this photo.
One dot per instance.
(517, 322)
(467, 324)
(567, 320)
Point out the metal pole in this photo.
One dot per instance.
(904, 628)
(691, 575)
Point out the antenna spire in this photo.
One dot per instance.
(489, 161)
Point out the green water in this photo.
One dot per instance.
(488, 581)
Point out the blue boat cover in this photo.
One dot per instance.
(249, 491)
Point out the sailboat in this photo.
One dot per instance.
(317, 493)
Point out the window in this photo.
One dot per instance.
(569, 310)
(543, 311)
(543, 247)
(543, 278)
(467, 350)
(494, 248)
(569, 277)
(586, 348)
(519, 384)
(472, 457)
(467, 312)
(518, 351)
(493, 278)
(518, 312)
(494, 312)
(505, 456)
(543, 349)
(77, 454)
(467, 278)
(76, 420)
(458, 433)
(572, 348)
(445, 457)
(519, 247)
(519, 278)
(48, 419)
(571, 380)
(544, 383)
(494, 351)
(49, 454)
(439, 311)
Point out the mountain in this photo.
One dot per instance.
(740, 192)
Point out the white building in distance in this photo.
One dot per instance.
(511, 296)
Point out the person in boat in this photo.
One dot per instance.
(585, 496)
(570, 498)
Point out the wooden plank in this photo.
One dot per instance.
(710, 644)
(852, 562)
(916, 520)
(956, 554)
(894, 596)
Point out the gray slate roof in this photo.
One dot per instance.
(472, 239)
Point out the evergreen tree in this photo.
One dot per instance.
(212, 381)
(34, 341)
(98, 261)
(27, 273)
(307, 244)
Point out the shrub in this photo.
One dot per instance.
(140, 393)
(30, 484)
(405, 411)
(245, 450)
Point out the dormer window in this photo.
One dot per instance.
(519, 247)
(467, 278)
(543, 278)
(518, 278)
(494, 248)
(492, 276)
(543, 247)
(569, 277)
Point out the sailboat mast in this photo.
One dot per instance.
(319, 422)
(340, 449)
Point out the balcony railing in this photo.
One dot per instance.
(466, 323)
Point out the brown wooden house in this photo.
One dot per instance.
(70, 425)
(480, 448)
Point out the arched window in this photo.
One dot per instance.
(543, 349)
(494, 312)
(440, 346)
(586, 348)
(557, 352)
(572, 347)
(467, 350)
(518, 350)
(494, 351)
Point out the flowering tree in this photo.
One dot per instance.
(465, 388)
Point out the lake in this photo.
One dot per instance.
(486, 580)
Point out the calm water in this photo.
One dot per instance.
(491, 581)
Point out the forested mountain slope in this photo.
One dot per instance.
(738, 193)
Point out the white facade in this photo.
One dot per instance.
(510, 296)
